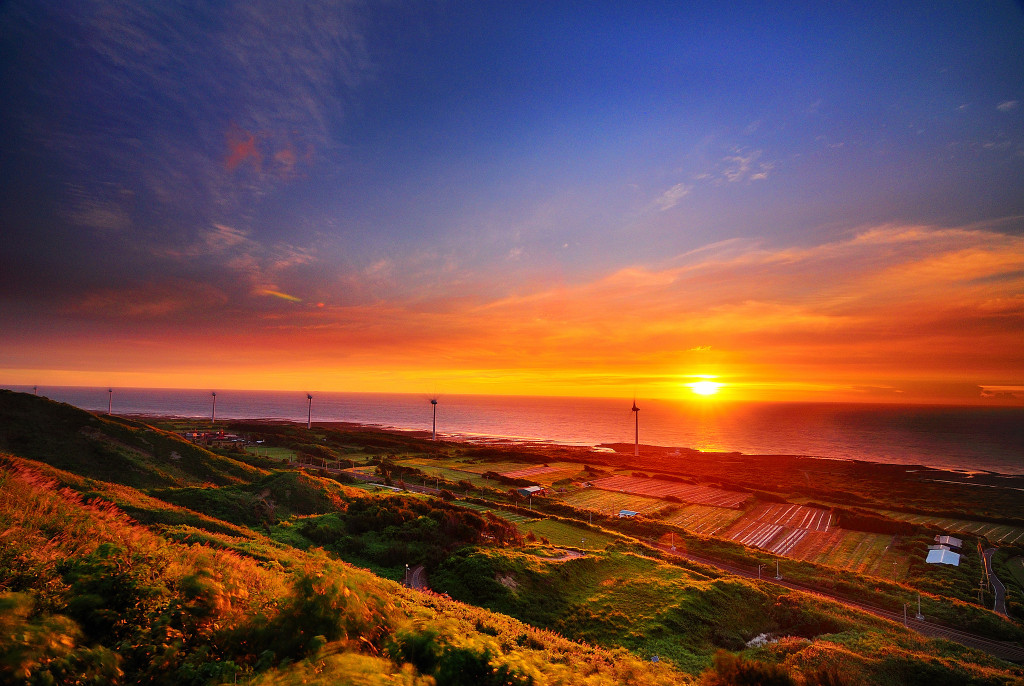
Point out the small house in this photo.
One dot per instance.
(628, 513)
(530, 491)
(949, 541)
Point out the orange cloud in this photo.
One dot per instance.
(888, 313)
(241, 148)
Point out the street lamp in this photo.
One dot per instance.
(759, 568)
(778, 575)
(309, 415)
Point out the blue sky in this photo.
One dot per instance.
(192, 168)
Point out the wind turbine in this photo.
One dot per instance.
(309, 416)
(433, 401)
(213, 417)
(110, 399)
(636, 418)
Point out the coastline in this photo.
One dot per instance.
(971, 439)
(602, 451)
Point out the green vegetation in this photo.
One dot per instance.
(563, 534)
(109, 448)
(120, 563)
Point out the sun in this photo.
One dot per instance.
(705, 387)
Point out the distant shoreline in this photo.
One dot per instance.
(968, 477)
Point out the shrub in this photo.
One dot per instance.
(44, 649)
(732, 670)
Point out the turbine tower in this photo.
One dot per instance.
(433, 401)
(213, 417)
(110, 399)
(636, 439)
(309, 415)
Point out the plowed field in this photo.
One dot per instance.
(657, 488)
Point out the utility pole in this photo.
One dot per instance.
(920, 616)
(778, 574)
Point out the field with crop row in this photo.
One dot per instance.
(529, 471)
(794, 516)
(998, 533)
(857, 551)
(657, 488)
(784, 544)
(704, 519)
(610, 502)
(757, 534)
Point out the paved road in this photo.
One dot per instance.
(416, 578)
(997, 585)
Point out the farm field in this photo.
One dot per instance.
(497, 466)
(542, 474)
(277, 452)
(856, 551)
(610, 502)
(530, 471)
(997, 533)
(794, 516)
(447, 473)
(513, 517)
(704, 495)
(562, 534)
(704, 519)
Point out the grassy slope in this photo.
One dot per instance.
(615, 598)
(109, 448)
(87, 593)
(621, 599)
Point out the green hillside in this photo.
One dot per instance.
(109, 448)
(205, 570)
(90, 597)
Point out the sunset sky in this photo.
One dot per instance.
(800, 201)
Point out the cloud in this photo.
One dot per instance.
(743, 165)
(152, 300)
(1007, 105)
(889, 301)
(204, 112)
(1003, 392)
(672, 196)
(224, 237)
(242, 148)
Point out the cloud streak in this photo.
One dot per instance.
(886, 307)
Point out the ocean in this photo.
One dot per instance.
(961, 438)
